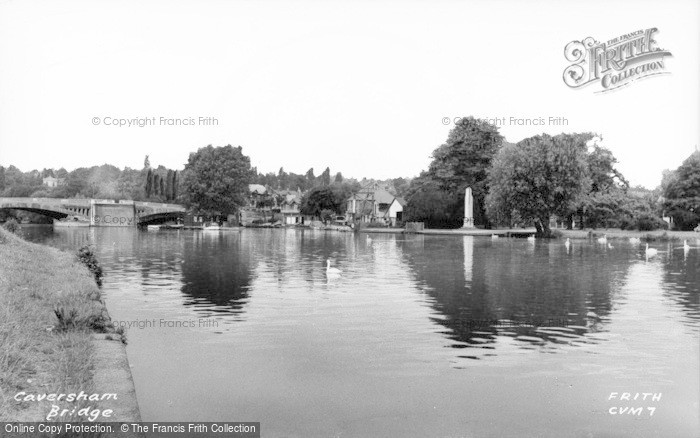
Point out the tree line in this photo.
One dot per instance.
(567, 176)
(105, 182)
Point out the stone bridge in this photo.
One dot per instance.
(99, 212)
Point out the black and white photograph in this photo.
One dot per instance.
(350, 219)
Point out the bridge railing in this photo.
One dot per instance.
(47, 201)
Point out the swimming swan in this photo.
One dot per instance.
(650, 252)
(603, 239)
(332, 271)
(635, 240)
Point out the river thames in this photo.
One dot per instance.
(419, 336)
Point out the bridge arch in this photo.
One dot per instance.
(99, 212)
(54, 208)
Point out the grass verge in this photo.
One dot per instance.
(50, 306)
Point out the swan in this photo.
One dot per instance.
(531, 238)
(650, 252)
(494, 236)
(610, 246)
(603, 239)
(369, 240)
(686, 247)
(332, 271)
(567, 244)
(635, 240)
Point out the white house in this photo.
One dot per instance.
(50, 181)
(395, 211)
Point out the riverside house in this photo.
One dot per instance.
(375, 204)
(289, 204)
(265, 205)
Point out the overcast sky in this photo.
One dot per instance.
(362, 87)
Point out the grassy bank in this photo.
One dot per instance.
(50, 307)
(616, 233)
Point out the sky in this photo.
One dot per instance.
(362, 87)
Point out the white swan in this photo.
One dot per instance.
(610, 246)
(635, 240)
(531, 238)
(494, 236)
(332, 271)
(567, 244)
(603, 239)
(650, 252)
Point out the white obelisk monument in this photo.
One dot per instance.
(468, 209)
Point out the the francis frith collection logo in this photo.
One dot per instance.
(616, 62)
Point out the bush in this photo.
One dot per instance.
(87, 257)
(12, 226)
(375, 224)
(647, 222)
(628, 224)
(71, 319)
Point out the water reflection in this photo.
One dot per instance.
(217, 272)
(540, 294)
(681, 284)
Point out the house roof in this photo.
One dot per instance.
(373, 192)
(257, 188)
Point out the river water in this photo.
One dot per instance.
(419, 336)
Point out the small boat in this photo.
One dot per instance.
(153, 227)
(173, 227)
(212, 227)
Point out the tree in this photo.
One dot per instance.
(310, 178)
(156, 184)
(77, 184)
(169, 185)
(427, 202)
(338, 178)
(282, 179)
(215, 180)
(607, 184)
(317, 200)
(401, 186)
(537, 178)
(176, 181)
(682, 194)
(146, 163)
(326, 177)
(342, 191)
(130, 184)
(149, 183)
(463, 161)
